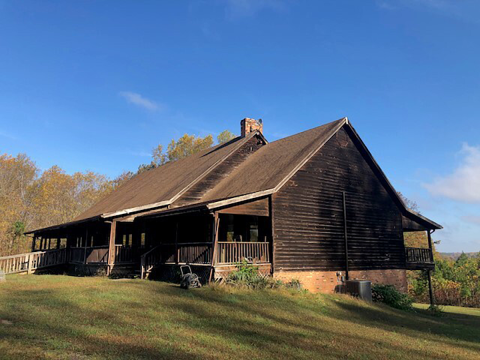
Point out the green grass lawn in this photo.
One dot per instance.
(61, 317)
(452, 309)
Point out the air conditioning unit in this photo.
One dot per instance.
(359, 288)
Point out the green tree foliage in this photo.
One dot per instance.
(455, 282)
(225, 136)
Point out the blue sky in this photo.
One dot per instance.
(95, 85)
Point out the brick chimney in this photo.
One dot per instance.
(249, 125)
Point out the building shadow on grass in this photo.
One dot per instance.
(155, 320)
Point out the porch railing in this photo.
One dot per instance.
(29, 262)
(181, 253)
(125, 254)
(99, 255)
(419, 255)
(201, 253)
(235, 252)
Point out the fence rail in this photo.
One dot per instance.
(419, 255)
(30, 262)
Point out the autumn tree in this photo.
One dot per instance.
(187, 145)
(16, 177)
(176, 150)
(30, 199)
(225, 136)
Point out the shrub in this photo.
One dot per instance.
(391, 296)
(294, 284)
(435, 310)
(247, 275)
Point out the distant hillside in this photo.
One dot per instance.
(455, 255)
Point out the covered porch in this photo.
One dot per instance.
(137, 244)
(216, 240)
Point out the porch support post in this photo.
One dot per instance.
(430, 287)
(85, 247)
(272, 228)
(176, 243)
(430, 246)
(34, 242)
(216, 224)
(111, 246)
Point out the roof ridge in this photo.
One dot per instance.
(332, 132)
(316, 127)
(337, 124)
(168, 202)
(211, 168)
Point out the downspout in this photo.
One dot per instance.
(345, 233)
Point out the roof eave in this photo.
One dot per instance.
(59, 226)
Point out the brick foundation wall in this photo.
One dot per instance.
(330, 281)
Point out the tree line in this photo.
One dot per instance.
(32, 199)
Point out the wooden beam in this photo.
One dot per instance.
(430, 246)
(85, 247)
(111, 247)
(237, 199)
(430, 288)
(215, 228)
(176, 256)
(272, 228)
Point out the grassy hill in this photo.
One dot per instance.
(61, 317)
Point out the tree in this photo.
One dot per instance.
(16, 177)
(187, 145)
(159, 158)
(225, 136)
(412, 205)
(30, 199)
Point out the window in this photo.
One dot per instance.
(142, 240)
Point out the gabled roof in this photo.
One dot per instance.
(272, 165)
(262, 173)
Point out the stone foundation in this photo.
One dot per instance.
(331, 281)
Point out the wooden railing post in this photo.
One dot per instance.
(30, 264)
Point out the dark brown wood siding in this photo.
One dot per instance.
(256, 207)
(197, 191)
(309, 222)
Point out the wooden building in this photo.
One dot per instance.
(314, 206)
